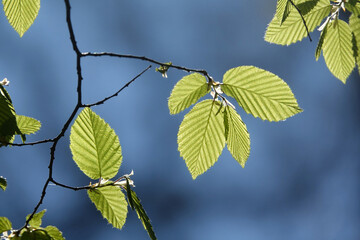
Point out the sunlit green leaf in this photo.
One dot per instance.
(54, 233)
(95, 146)
(5, 224)
(27, 125)
(187, 91)
(320, 43)
(142, 215)
(110, 201)
(237, 136)
(201, 137)
(3, 183)
(21, 13)
(36, 221)
(293, 29)
(354, 23)
(261, 93)
(338, 50)
(282, 10)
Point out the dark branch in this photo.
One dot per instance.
(143, 58)
(30, 143)
(303, 19)
(115, 94)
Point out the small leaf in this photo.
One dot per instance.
(36, 221)
(237, 138)
(261, 93)
(293, 29)
(338, 51)
(8, 126)
(95, 146)
(201, 137)
(39, 234)
(320, 43)
(54, 233)
(187, 92)
(110, 201)
(3, 183)
(5, 224)
(145, 220)
(27, 125)
(21, 13)
(128, 192)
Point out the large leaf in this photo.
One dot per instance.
(95, 146)
(354, 23)
(54, 233)
(293, 29)
(21, 13)
(5, 224)
(201, 137)
(187, 91)
(142, 214)
(338, 50)
(237, 136)
(283, 8)
(3, 183)
(261, 93)
(110, 201)
(27, 125)
(36, 220)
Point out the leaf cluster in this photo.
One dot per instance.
(214, 122)
(339, 40)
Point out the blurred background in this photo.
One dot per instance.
(301, 181)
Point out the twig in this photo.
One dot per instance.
(303, 19)
(143, 58)
(115, 94)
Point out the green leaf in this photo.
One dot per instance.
(338, 51)
(143, 216)
(27, 125)
(95, 146)
(353, 6)
(21, 13)
(354, 23)
(293, 29)
(54, 233)
(261, 93)
(128, 192)
(35, 222)
(320, 43)
(110, 201)
(187, 91)
(3, 183)
(39, 234)
(5, 224)
(237, 136)
(201, 137)
(283, 10)
(8, 126)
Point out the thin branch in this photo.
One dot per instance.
(115, 94)
(303, 19)
(143, 58)
(30, 143)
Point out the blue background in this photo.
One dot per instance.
(302, 177)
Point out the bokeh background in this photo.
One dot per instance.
(300, 182)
